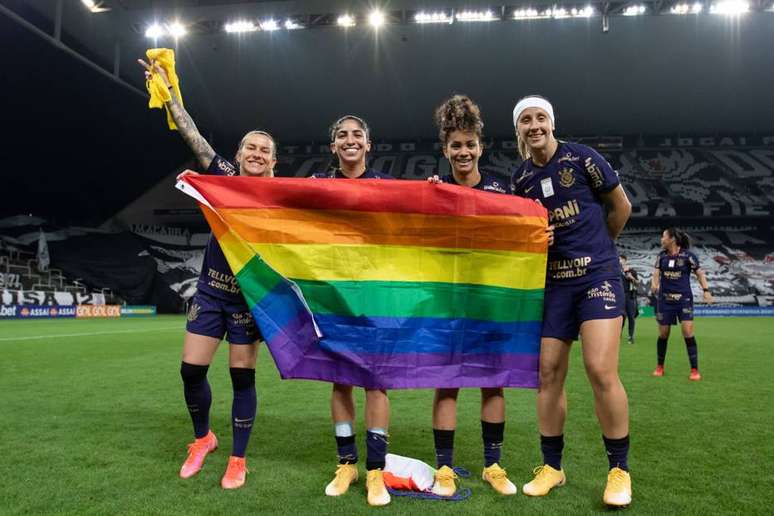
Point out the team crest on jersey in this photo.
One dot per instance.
(566, 177)
(193, 312)
(680, 262)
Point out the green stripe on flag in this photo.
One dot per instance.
(422, 299)
(256, 279)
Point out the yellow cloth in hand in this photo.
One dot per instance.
(159, 93)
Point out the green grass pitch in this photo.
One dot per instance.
(93, 422)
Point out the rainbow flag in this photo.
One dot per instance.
(385, 284)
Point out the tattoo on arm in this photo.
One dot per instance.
(191, 135)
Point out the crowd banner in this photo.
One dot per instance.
(52, 298)
(385, 284)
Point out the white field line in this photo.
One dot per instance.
(88, 334)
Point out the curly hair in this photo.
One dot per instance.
(458, 113)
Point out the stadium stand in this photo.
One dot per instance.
(151, 251)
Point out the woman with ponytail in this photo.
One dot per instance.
(350, 143)
(671, 283)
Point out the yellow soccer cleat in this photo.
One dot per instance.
(618, 492)
(546, 478)
(445, 482)
(234, 478)
(346, 474)
(377, 491)
(498, 478)
(197, 452)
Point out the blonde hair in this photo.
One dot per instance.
(262, 133)
(521, 144)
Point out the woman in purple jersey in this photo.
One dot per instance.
(350, 144)
(460, 131)
(671, 282)
(218, 309)
(583, 293)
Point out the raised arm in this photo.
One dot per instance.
(185, 124)
(618, 210)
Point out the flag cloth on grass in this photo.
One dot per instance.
(385, 284)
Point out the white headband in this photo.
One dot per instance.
(533, 102)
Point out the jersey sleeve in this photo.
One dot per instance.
(693, 261)
(222, 167)
(657, 265)
(601, 175)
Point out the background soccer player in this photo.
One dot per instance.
(583, 291)
(460, 131)
(629, 279)
(671, 282)
(218, 309)
(350, 143)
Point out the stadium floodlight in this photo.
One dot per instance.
(694, 8)
(476, 16)
(292, 25)
(556, 12)
(269, 25)
(436, 17)
(730, 7)
(345, 20)
(526, 14)
(241, 26)
(176, 29)
(154, 31)
(95, 7)
(635, 10)
(584, 12)
(376, 19)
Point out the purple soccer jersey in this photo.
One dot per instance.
(569, 186)
(675, 275)
(216, 278)
(488, 183)
(336, 174)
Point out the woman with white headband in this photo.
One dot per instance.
(583, 293)
(350, 143)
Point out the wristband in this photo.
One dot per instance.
(706, 289)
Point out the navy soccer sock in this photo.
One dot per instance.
(693, 352)
(492, 435)
(198, 396)
(444, 447)
(552, 448)
(376, 445)
(345, 442)
(243, 408)
(617, 452)
(661, 347)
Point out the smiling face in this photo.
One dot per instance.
(255, 156)
(350, 143)
(535, 129)
(463, 150)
